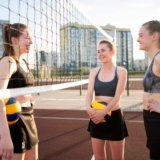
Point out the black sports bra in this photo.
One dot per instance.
(151, 82)
(106, 88)
(21, 78)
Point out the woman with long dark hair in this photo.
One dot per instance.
(19, 140)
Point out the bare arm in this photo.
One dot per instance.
(90, 90)
(122, 77)
(6, 145)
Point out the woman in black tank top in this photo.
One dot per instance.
(18, 138)
(149, 40)
(107, 125)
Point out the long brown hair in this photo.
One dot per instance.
(9, 31)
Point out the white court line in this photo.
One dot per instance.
(63, 118)
(80, 119)
(134, 121)
(60, 99)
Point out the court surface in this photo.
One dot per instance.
(63, 135)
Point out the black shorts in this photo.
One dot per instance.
(152, 127)
(24, 133)
(113, 129)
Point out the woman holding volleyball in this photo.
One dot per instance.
(108, 83)
(19, 140)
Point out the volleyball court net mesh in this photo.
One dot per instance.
(64, 43)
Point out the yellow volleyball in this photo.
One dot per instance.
(101, 105)
(13, 110)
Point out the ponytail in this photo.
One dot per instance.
(8, 49)
(9, 31)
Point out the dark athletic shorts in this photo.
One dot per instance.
(152, 127)
(24, 133)
(113, 129)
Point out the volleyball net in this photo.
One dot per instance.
(64, 42)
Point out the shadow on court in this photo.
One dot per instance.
(63, 135)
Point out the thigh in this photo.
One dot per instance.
(99, 149)
(152, 122)
(32, 154)
(117, 149)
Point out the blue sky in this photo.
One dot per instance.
(122, 13)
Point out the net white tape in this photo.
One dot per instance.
(4, 93)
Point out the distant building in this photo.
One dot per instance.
(47, 62)
(78, 46)
(79, 39)
(124, 47)
(2, 22)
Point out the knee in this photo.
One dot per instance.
(117, 158)
(100, 157)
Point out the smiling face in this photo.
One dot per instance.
(149, 36)
(23, 42)
(145, 39)
(105, 53)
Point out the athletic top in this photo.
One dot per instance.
(106, 88)
(151, 82)
(21, 78)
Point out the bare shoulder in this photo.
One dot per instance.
(8, 62)
(8, 59)
(94, 71)
(121, 70)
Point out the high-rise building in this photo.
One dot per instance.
(79, 39)
(124, 47)
(77, 46)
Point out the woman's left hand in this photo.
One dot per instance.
(98, 116)
(154, 106)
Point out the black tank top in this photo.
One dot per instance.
(106, 88)
(21, 78)
(151, 82)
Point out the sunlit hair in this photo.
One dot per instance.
(9, 31)
(109, 44)
(153, 26)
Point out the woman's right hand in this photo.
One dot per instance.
(6, 148)
(90, 111)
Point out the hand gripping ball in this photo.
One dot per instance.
(13, 110)
(101, 105)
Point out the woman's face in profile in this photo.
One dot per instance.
(144, 39)
(23, 42)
